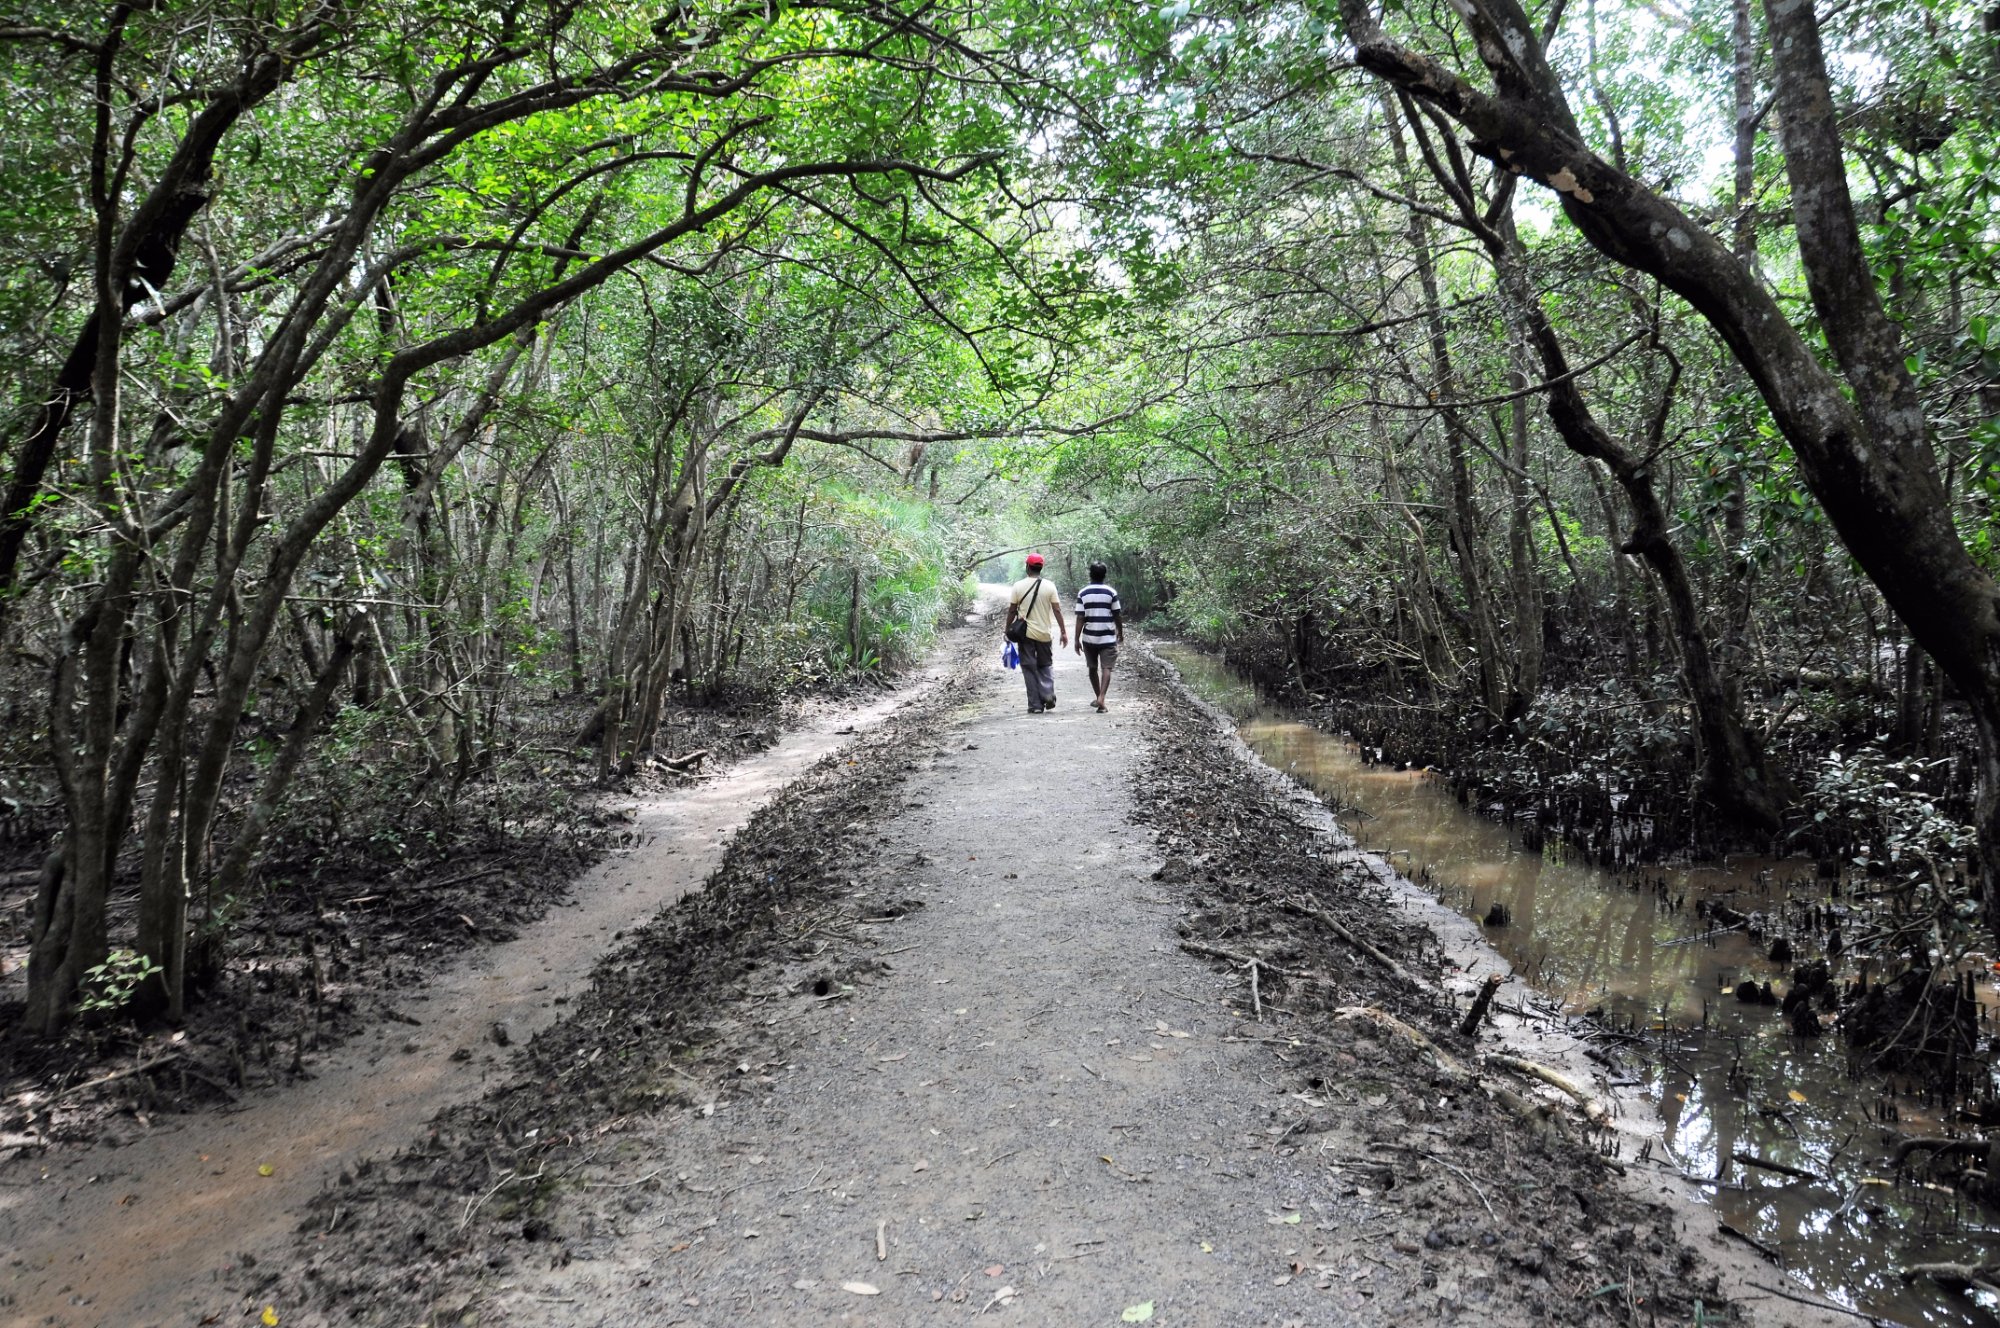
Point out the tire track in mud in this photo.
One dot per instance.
(154, 1229)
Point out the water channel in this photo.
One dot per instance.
(1725, 1077)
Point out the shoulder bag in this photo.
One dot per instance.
(1017, 631)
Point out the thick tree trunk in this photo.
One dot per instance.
(1866, 459)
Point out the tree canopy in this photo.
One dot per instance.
(1598, 400)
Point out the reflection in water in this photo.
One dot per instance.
(1726, 1076)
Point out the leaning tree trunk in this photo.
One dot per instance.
(1737, 779)
(1866, 456)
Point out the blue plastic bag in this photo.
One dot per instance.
(1010, 656)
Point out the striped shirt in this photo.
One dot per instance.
(1095, 604)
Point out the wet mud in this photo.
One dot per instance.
(1734, 1054)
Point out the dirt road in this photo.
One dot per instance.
(932, 1044)
(139, 1228)
(936, 1041)
(1044, 1105)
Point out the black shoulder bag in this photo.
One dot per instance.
(1017, 631)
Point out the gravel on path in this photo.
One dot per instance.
(1042, 1106)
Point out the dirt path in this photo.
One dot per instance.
(138, 1228)
(935, 1050)
(931, 1044)
(1044, 1103)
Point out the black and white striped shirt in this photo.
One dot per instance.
(1095, 604)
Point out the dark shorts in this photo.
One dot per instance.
(1091, 653)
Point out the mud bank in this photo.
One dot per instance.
(166, 1218)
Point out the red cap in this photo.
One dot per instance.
(1034, 560)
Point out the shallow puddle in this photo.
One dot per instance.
(1725, 1076)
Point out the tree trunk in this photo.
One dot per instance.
(1867, 459)
(1526, 576)
(1494, 669)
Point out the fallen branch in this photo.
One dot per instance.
(1774, 1255)
(1444, 1059)
(1598, 1113)
(1341, 930)
(1241, 960)
(116, 1075)
(1939, 1148)
(1752, 1160)
(472, 1206)
(1820, 1304)
(449, 881)
(1433, 1157)
(1704, 936)
(681, 764)
(1977, 1275)
(654, 1174)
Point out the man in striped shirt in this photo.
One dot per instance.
(1100, 630)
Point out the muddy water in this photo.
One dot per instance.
(1725, 1077)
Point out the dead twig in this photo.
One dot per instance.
(1750, 1159)
(1240, 959)
(1704, 936)
(623, 1184)
(449, 881)
(1433, 1157)
(1775, 1256)
(1821, 1304)
(1340, 929)
(472, 1206)
(1473, 1017)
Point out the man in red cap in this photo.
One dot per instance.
(1034, 601)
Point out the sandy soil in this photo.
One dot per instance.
(140, 1227)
